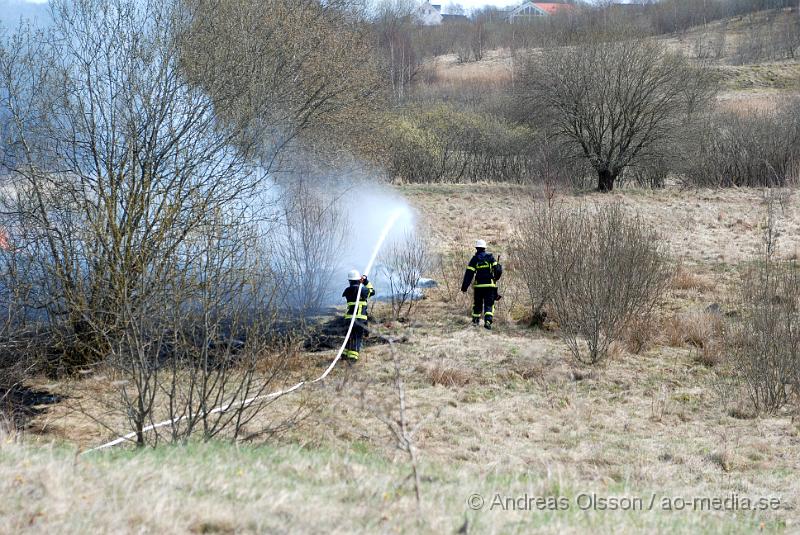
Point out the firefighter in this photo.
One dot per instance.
(486, 271)
(359, 309)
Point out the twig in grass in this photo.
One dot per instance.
(400, 426)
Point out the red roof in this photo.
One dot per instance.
(552, 8)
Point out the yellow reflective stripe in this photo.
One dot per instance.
(470, 268)
(488, 313)
(492, 285)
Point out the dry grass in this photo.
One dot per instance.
(447, 375)
(516, 416)
(711, 354)
(694, 328)
(640, 334)
(495, 69)
(685, 279)
(218, 489)
(703, 227)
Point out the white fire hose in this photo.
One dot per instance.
(274, 395)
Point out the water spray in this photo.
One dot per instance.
(275, 395)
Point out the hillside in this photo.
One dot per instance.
(747, 53)
(509, 412)
(440, 427)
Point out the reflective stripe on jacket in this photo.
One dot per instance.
(358, 308)
(481, 267)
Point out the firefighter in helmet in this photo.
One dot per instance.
(486, 272)
(356, 306)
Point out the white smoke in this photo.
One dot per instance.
(318, 249)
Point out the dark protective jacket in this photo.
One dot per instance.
(485, 269)
(358, 308)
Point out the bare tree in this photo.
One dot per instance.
(404, 262)
(617, 103)
(285, 71)
(310, 231)
(136, 209)
(764, 346)
(394, 26)
(117, 159)
(596, 269)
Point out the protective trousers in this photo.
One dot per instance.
(354, 343)
(483, 302)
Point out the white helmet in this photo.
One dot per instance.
(480, 244)
(353, 275)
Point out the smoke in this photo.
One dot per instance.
(375, 205)
(328, 223)
(367, 208)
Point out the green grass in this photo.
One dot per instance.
(218, 487)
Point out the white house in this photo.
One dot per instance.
(529, 10)
(429, 14)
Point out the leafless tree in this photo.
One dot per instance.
(395, 31)
(309, 233)
(285, 72)
(616, 103)
(597, 269)
(136, 206)
(764, 347)
(404, 262)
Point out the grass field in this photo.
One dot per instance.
(652, 440)
(505, 414)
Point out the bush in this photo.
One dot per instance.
(597, 269)
(442, 144)
(695, 328)
(403, 263)
(765, 346)
(753, 150)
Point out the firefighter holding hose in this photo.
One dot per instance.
(357, 306)
(486, 272)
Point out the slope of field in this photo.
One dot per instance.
(744, 84)
(505, 414)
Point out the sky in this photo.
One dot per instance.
(12, 10)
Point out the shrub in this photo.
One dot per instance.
(765, 346)
(447, 375)
(404, 261)
(446, 144)
(597, 269)
(695, 328)
(760, 148)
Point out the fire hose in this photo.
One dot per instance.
(273, 395)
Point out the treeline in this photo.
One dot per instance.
(452, 142)
(503, 120)
(160, 215)
(404, 44)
